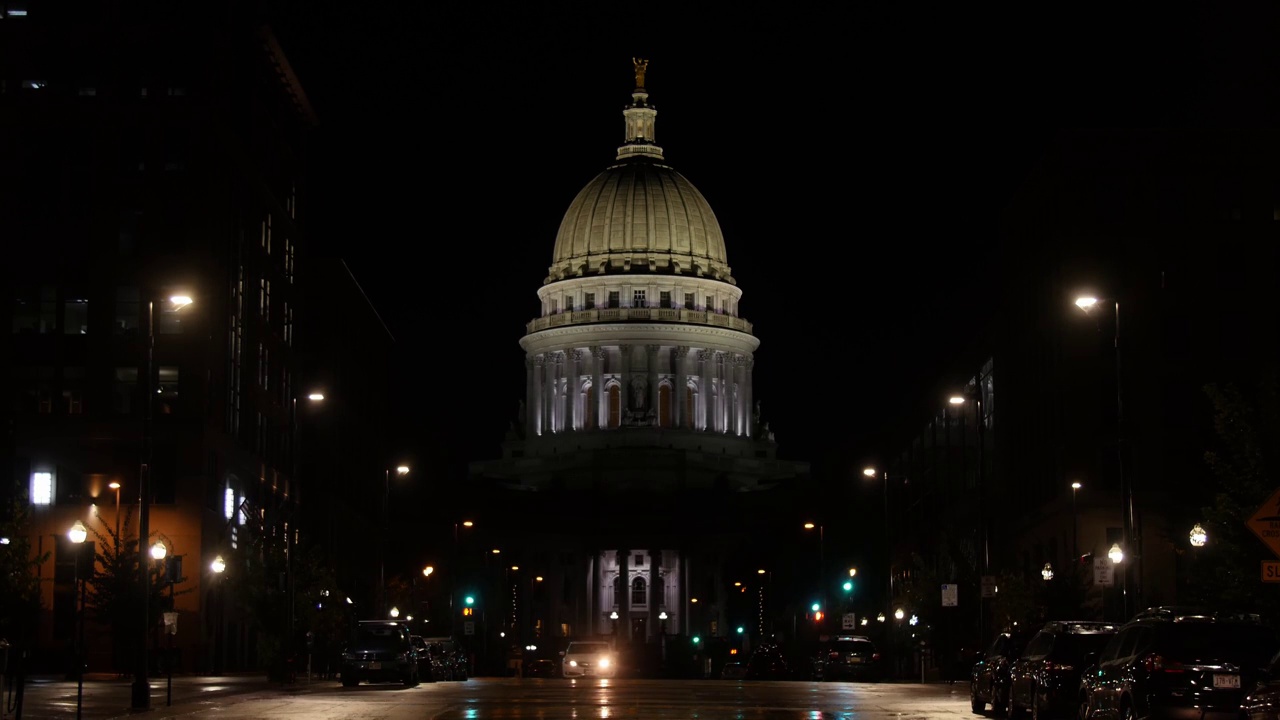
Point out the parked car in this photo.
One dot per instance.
(588, 658)
(380, 651)
(541, 668)
(1263, 701)
(849, 657)
(1046, 678)
(448, 661)
(1178, 665)
(989, 678)
(425, 670)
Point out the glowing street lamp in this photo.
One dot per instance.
(1116, 554)
(1198, 536)
(158, 550)
(1047, 572)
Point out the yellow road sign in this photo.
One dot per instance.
(1270, 571)
(1265, 523)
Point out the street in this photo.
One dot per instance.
(230, 699)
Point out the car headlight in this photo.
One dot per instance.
(604, 662)
(573, 663)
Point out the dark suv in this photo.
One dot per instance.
(989, 678)
(849, 657)
(1177, 664)
(1046, 677)
(380, 651)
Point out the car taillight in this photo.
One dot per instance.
(1157, 663)
(875, 656)
(833, 656)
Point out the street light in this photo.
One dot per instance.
(822, 568)
(141, 689)
(290, 527)
(1075, 523)
(401, 470)
(1047, 572)
(116, 486)
(871, 472)
(1116, 554)
(1198, 536)
(1087, 303)
(77, 535)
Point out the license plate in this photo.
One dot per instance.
(855, 660)
(1226, 681)
(375, 666)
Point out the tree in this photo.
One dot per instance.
(1242, 466)
(113, 597)
(19, 581)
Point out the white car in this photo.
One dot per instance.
(588, 659)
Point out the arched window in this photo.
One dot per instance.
(589, 408)
(664, 406)
(637, 591)
(617, 590)
(615, 406)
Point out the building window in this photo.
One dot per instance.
(614, 299)
(124, 389)
(263, 366)
(75, 316)
(41, 488)
(688, 301)
(228, 503)
(291, 204)
(590, 302)
(615, 406)
(73, 390)
(73, 402)
(288, 259)
(638, 561)
(170, 320)
(638, 592)
(288, 324)
(637, 299)
(167, 390)
(664, 299)
(664, 406)
(36, 313)
(266, 235)
(128, 309)
(554, 306)
(87, 92)
(264, 299)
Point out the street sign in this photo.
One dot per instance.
(848, 622)
(1265, 523)
(1270, 571)
(1104, 572)
(469, 627)
(950, 595)
(988, 586)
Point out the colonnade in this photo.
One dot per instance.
(627, 385)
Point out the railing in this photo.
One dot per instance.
(609, 315)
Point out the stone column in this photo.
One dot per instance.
(705, 358)
(624, 393)
(651, 352)
(653, 626)
(573, 359)
(536, 411)
(593, 592)
(530, 398)
(624, 596)
(682, 560)
(679, 353)
(747, 400)
(549, 393)
(597, 385)
(740, 408)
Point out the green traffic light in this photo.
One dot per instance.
(470, 600)
(815, 607)
(740, 630)
(696, 639)
(848, 586)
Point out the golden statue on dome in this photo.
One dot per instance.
(641, 65)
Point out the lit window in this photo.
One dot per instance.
(75, 316)
(167, 390)
(41, 488)
(229, 503)
(637, 298)
(243, 517)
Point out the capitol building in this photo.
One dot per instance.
(639, 457)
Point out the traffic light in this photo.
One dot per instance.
(815, 607)
(741, 629)
(696, 639)
(470, 600)
(817, 616)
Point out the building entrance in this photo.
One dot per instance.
(637, 629)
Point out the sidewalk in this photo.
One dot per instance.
(107, 696)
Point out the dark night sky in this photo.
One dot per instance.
(856, 158)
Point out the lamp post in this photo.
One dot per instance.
(871, 472)
(116, 486)
(453, 575)
(141, 689)
(1075, 523)
(822, 569)
(975, 392)
(291, 527)
(219, 566)
(401, 470)
(77, 535)
(1087, 304)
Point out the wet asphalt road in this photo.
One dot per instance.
(513, 698)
